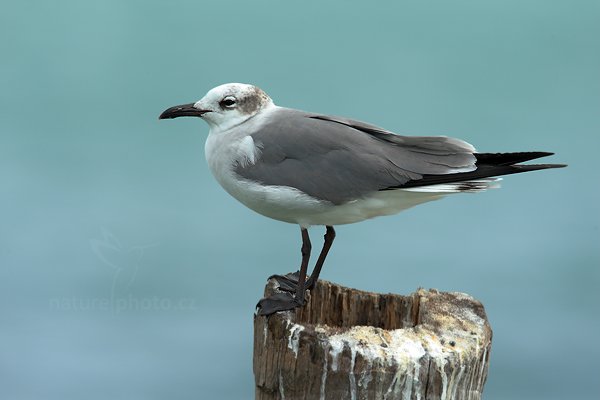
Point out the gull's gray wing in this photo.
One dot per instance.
(340, 160)
(440, 145)
(487, 164)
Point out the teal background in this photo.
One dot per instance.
(126, 272)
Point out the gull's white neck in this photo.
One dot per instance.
(230, 144)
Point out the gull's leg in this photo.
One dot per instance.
(285, 300)
(305, 250)
(314, 277)
(289, 282)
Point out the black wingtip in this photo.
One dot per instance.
(533, 167)
(482, 171)
(509, 158)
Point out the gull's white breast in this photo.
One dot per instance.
(226, 150)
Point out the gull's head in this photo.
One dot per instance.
(224, 106)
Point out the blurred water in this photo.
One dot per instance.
(126, 272)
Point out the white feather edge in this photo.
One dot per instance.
(476, 185)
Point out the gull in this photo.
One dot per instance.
(313, 169)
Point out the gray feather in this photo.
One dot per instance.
(340, 160)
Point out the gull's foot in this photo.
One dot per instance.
(278, 302)
(289, 282)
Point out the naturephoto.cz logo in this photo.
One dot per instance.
(125, 263)
(121, 304)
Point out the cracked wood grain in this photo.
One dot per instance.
(350, 344)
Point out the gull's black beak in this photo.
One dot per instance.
(184, 110)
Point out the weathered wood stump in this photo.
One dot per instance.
(351, 344)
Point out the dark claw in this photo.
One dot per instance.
(278, 302)
(289, 275)
(289, 282)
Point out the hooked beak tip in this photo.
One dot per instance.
(184, 110)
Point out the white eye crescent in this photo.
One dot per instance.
(228, 102)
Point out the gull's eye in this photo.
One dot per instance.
(228, 102)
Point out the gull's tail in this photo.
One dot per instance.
(489, 166)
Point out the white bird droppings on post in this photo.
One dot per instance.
(265, 333)
(443, 355)
(436, 352)
(351, 377)
(402, 348)
(294, 338)
(336, 346)
(324, 379)
(281, 391)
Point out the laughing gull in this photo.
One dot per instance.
(313, 169)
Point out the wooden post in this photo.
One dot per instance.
(350, 344)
